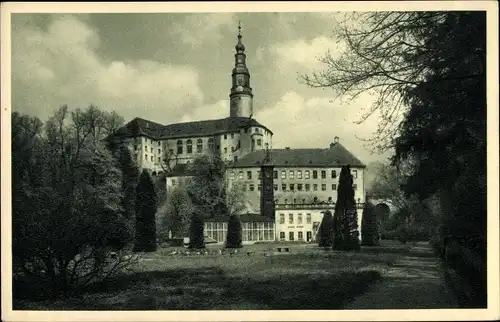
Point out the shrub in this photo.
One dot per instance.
(197, 231)
(145, 214)
(234, 232)
(326, 230)
(369, 226)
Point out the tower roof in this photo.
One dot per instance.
(239, 46)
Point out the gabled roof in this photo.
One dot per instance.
(335, 155)
(142, 127)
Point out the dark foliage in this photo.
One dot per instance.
(197, 231)
(234, 232)
(346, 218)
(326, 230)
(145, 208)
(369, 226)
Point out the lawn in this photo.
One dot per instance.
(255, 278)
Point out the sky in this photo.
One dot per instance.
(176, 67)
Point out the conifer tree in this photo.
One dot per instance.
(326, 230)
(347, 234)
(145, 208)
(369, 226)
(234, 232)
(197, 231)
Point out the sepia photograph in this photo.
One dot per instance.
(241, 159)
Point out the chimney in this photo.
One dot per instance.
(332, 145)
(287, 148)
(336, 140)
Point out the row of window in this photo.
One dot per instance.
(291, 219)
(299, 186)
(300, 236)
(151, 141)
(189, 146)
(146, 149)
(254, 231)
(294, 174)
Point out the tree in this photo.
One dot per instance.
(145, 205)
(175, 213)
(369, 226)
(197, 231)
(67, 212)
(326, 230)
(346, 217)
(234, 232)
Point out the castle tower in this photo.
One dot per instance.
(241, 96)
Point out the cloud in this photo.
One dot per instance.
(213, 111)
(303, 52)
(198, 29)
(299, 122)
(61, 66)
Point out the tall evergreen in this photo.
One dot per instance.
(347, 234)
(326, 230)
(369, 226)
(197, 231)
(234, 232)
(145, 209)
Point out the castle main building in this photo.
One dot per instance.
(286, 190)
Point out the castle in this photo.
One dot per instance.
(286, 190)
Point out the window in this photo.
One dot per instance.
(225, 150)
(323, 187)
(290, 174)
(330, 199)
(299, 174)
(334, 186)
(211, 144)
(282, 235)
(323, 174)
(306, 174)
(158, 143)
(308, 218)
(355, 186)
(235, 158)
(299, 187)
(275, 187)
(275, 174)
(225, 136)
(151, 149)
(145, 157)
(315, 187)
(251, 187)
(299, 219)
(294, 200)
(259, 142)
(334, 174)
(292, 187)
(135, 147)
(232, 149)
(146, 148)
(259, 187)
(146, 140)
(199, 146)
(171, 151)
(290, 219)
(355, 174)
(179, 147)
(173, 182)
(308, 187)
(189, 147)
(159, 151)
(283, 187)
(159, 159)
(301, 235)
(282, 219)
(249, 175)
(286, 201)
(256, 130)
(290, 236)
(232, 175)
(240, 175)
(151, 158)
(283, 174)
(232, 135)
(315, 174)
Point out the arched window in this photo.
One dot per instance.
(179, 147)
(199, 146)
(211, 144)
(189, 148)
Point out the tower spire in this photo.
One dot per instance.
(241, 93)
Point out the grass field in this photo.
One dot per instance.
(304, 278)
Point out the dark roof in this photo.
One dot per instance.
(336, 154)
(181, 170)
(138, 127)
(243, 218)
